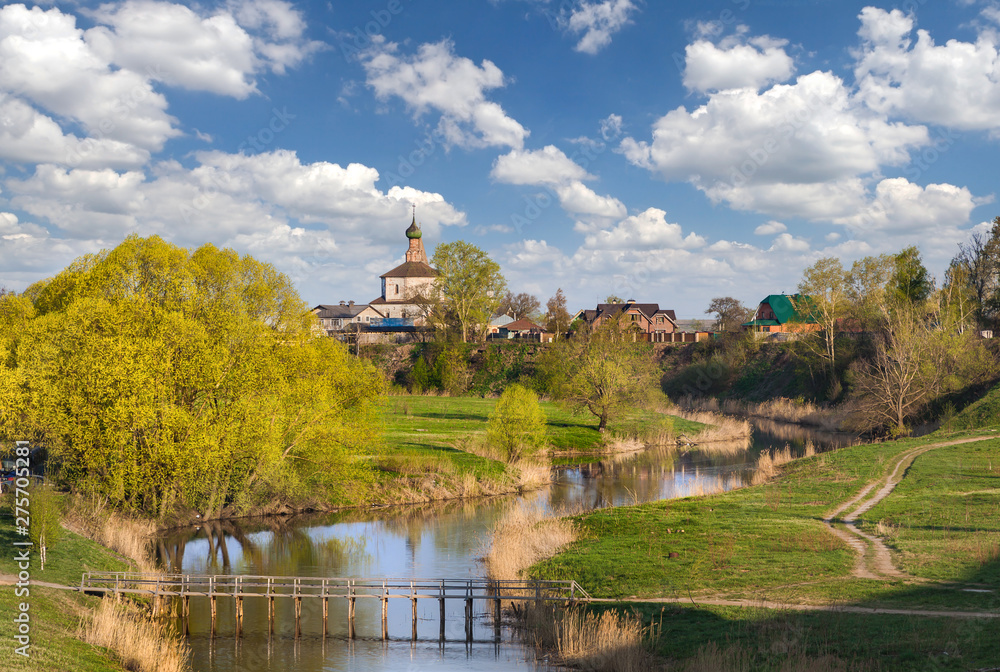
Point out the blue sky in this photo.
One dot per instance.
(667, 152)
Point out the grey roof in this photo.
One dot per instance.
(412, 269)
(325, 311)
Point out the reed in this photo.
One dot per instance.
(719, 427)
(738, 658)
(141, 644)
(128, 536)
(522, 537)
(768, 463)
(608, 641)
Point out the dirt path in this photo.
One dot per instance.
(881, 566)
(10, 580)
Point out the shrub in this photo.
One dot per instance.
(517, 424)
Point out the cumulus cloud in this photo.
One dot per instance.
(174, 44)
(770, 228)
(758, 62)
(598, 22)
(551, 167)
(436, 79)
(792, 150)
(956, 84)
(647, 230)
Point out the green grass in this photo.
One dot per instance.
(768, 638)
(984, 412)
(55, 614)
(943, 519)
(769, 542)
(419, 422)
(746, 543)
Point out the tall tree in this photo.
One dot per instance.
(605, 373)
(160, 377)
(980, 257)
(824, 285)
(729, 313)
(471, 285)
(556, 315)
(867, 290)
(910, 281)
(519, 306)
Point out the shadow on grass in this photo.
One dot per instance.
(798, 640)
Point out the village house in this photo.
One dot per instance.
(335, 319)
(782, 313)
(653, 323)
(524, 330)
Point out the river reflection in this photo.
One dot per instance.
(425, 541)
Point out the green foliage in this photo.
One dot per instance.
(471, 285)
(160, 377)
(606, 373)
(46, 513)
(517, 424)
(500, 365)
(910, 282)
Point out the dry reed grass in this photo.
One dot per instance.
(130, 537)
(720, 427)
(609, 641)
(768, 463)
(522, 537)
(139, 643)
(780, 409)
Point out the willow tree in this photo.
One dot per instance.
(160, 377)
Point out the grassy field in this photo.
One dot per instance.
(435, 446)
(769, 542)
(422, 422)
(985, 412)
(55, 614)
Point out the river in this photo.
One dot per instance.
(428, 541)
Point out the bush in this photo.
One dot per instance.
(517, 424)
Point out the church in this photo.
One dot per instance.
(409, 289)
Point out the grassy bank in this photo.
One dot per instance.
(63, 622)
(769, 542)
(436, 446)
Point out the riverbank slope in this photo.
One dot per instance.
(769, 542)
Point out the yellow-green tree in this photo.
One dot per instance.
(517, 424)
(161, 377)
(472, 286)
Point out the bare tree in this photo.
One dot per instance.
(556, 316)
(729, 313)
(519, 306)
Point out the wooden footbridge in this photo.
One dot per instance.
(182, 587)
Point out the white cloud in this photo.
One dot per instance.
(903, 208)
(956, 84)
(175, 45)
(770, 228)
(789, 243)
(27, 136)
(759, 62)
(791, 150)
(46, 59)
(598, 21)
(647, 230)
(435, 78)
(550, 167)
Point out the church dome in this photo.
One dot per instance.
(413, 231)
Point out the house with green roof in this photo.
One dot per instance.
(783, 313)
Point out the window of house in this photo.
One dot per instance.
(397, 289)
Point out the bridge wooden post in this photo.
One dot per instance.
(211, 601)
(413, 596)
(496, 611)
(441, 600)
(270, 607)
(350, 610)
(385, 611)
(296, 591)
(156, 598)
(468, 612)
(238, 592)
(326, 607)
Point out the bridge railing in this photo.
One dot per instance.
(248, 585)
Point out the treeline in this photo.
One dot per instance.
(165, 379)
(882, 336)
